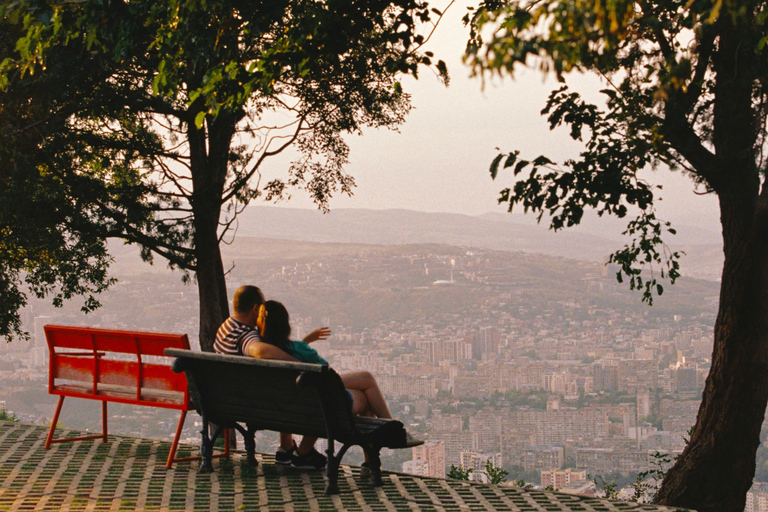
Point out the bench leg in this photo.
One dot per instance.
(374, 462)
(250, 446)
(175, 444)
(50, 440)
(54, 421)
(206, 448)
(104, 421)
(249, 441)
(332, 468)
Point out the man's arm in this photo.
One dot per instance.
(262, 350)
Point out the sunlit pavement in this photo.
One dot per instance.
(129, 474)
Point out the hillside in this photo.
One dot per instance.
(593, 241)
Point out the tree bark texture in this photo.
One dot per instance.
(717, 467)
(209, 153)
(212, 287)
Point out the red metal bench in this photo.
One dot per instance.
(116, 366)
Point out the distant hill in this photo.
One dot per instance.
(593, 241)
(364, 286)
(397, 227)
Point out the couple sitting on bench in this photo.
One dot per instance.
(262, 330)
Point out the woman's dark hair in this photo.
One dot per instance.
(277, 324)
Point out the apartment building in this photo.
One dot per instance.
(559, 478)
(432, 453)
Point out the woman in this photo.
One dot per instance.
(274, 324)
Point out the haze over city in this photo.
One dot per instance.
(495, 339)
(438, 160)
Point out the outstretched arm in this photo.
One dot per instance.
(318, 334)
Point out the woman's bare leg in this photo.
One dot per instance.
(365, 383)
(359, 403)
(306, 445)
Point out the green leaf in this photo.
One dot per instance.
(510, 161)
(520, 166)
(495, 165)
(200, 119)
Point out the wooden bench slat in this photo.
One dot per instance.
(123, 394)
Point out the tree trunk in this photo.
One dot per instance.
(716, 469)
(209, 153)
(211, 285)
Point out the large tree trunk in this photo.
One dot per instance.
(716, 469)
(211, 285)
(209, 159)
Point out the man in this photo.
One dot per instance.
(238, 335)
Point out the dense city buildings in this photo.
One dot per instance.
(757, 498)
(536, 363)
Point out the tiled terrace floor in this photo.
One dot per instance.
(129, 474)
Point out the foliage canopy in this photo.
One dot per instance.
(183, 104)
(656, 60)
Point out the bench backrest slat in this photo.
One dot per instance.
(264, 389)
(124, 342)
(74, 368)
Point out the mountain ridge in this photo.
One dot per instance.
(497, 231)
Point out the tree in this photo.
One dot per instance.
(496, 474)
(198, 96)
(50, 241)
(685, 90)
(458, 473)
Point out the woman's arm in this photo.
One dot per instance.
(318, 334)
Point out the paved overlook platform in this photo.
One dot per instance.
(129, 474)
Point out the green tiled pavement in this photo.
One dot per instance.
(129, 474)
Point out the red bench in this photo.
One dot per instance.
(116, 366)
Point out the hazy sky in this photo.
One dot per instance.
(439, 160)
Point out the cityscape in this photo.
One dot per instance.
(542, 365)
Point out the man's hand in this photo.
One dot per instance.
(318, 334)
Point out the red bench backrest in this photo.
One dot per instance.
(87, 355)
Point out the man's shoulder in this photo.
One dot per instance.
(233, 336)
(233, 326)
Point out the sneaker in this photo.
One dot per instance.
(411, 441)
(285, 457)
(310, 460)
(365, 470)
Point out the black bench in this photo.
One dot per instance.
(301, 398)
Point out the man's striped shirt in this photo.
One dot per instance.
(234, 338)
